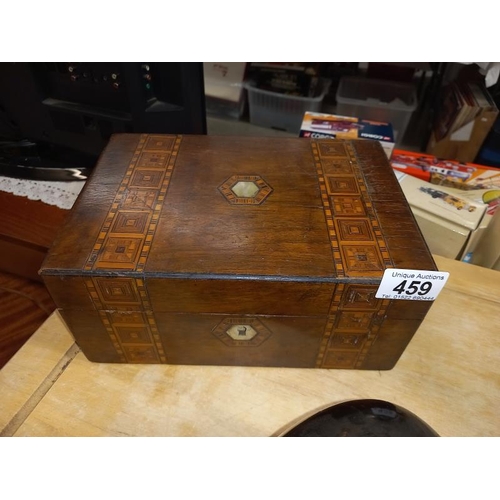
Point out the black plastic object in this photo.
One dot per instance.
(363, 418)
(44, 162)
(80, 105)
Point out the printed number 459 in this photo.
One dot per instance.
(415, 287)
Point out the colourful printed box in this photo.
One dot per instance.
(324, 126)
(450, 173)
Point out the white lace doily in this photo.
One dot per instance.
(60, 194)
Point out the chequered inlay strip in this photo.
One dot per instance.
(346, 346)
(89, 283)
(153, 329)
(359, 249)
(337, 259)
(131, 327)
(124, 243)
(120, 195)
(358, 245)
(126, 235)
(334, 307)
(159, 204)
(382, 244)
(372, 335)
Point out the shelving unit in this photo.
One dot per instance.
(427, 81)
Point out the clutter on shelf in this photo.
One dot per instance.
(465, 116)
(454, 204)
(326, 126)
(282, 111)
(380, 100)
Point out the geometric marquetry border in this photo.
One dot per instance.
(381, 242)
(126, 235)
(358, 246)
(359, 250)
(124, 242)
(125, 312)
(330, 323)
(337, 258)
(352, 326)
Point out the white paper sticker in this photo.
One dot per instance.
(408, 284)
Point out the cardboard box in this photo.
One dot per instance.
(487, 251)
(468, 181)
(466, 115)
(447, 219)
(326, 126)
(450, 173)
(480, 236)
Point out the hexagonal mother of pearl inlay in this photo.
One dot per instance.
(245, 189)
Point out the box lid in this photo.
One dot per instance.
(250, 208)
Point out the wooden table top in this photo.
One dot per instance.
(449, 376)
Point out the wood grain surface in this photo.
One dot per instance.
(27, 230)
(30, 221)
(24, 306)
(171, 188)
(175, 238)
(449, 376)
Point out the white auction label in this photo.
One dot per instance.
(408, 284)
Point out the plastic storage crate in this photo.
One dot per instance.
(281, 111)
(379, 100)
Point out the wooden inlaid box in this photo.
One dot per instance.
(238, 251)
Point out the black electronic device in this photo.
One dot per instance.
(76, 107)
